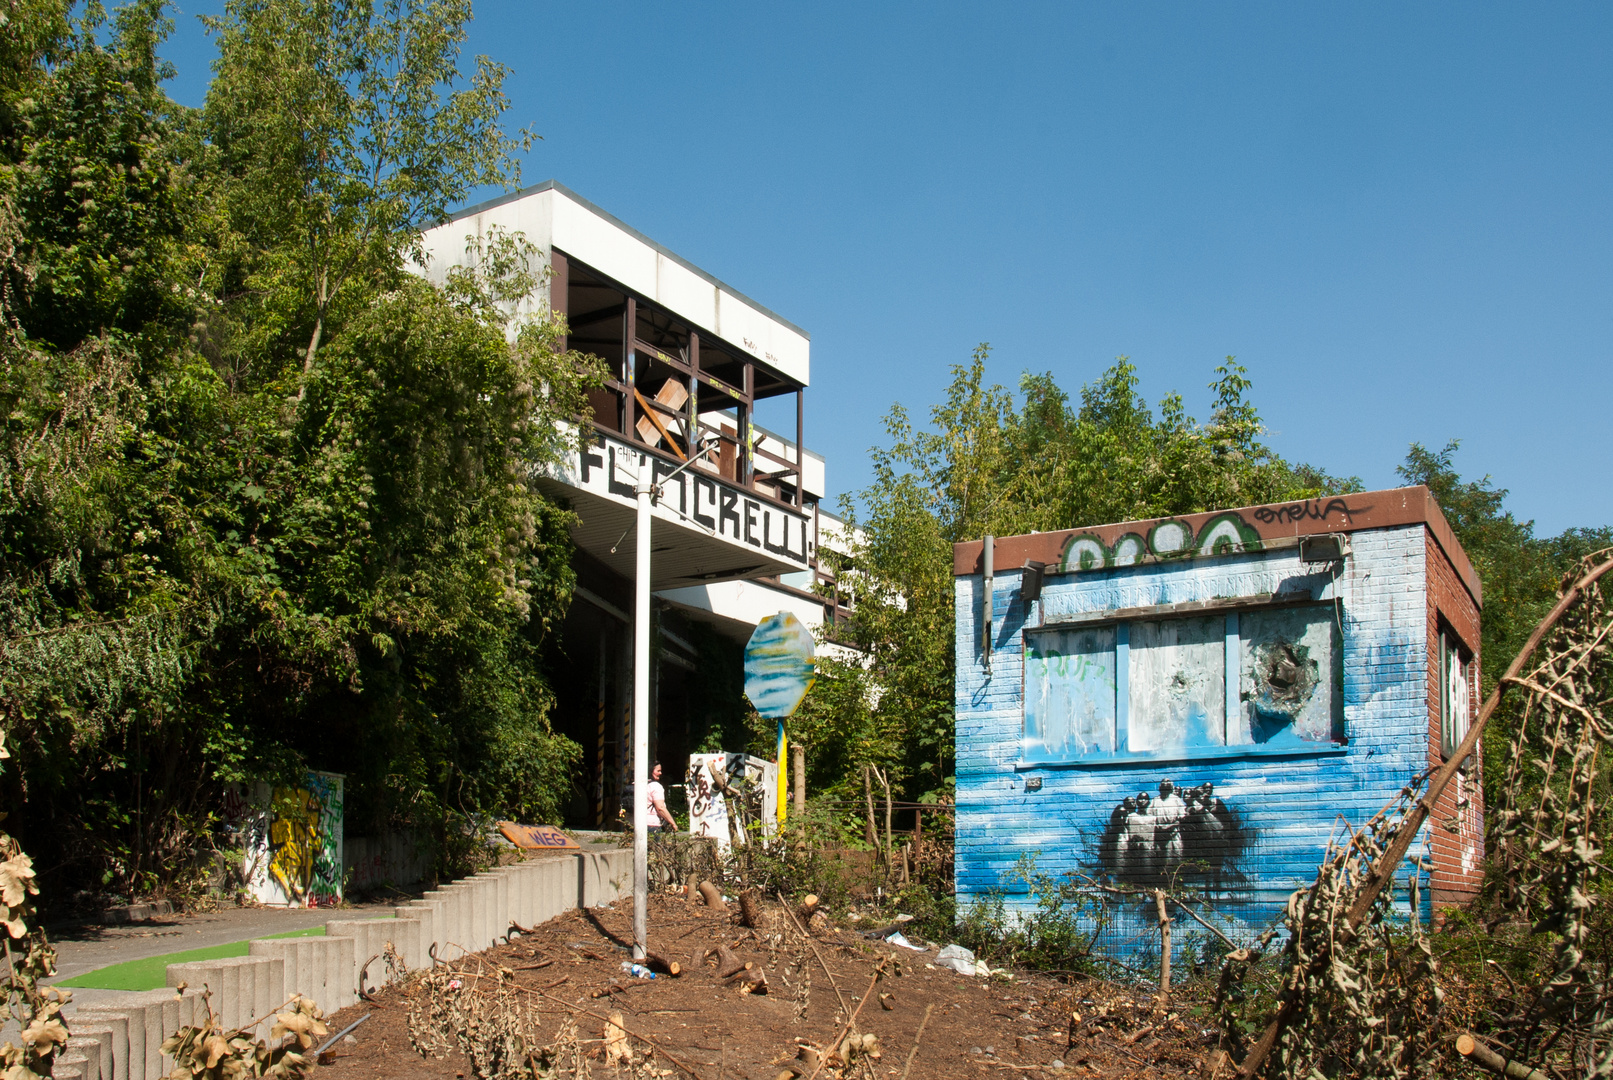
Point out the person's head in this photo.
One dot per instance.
(655, 770)
(1129, 804)
(1143, 800)
(1165, 789)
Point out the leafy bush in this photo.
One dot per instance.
(1056, 934)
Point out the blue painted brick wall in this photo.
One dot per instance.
(1291, 804)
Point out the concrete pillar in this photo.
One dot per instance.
(96, 1048)
(112, 1033)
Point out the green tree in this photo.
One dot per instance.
(1520, 572)
(342, 128)
(268, 497)
(988, 465)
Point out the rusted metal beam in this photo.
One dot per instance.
(629, 372)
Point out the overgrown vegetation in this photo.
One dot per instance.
(989, 464)
(35, 1010)
(265, 496)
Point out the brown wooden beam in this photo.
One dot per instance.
(650, 415)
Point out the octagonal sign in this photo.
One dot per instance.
(778, 665)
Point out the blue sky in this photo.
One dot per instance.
(1398, 217)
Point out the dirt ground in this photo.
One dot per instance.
(702, 1026)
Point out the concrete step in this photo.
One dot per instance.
(606, 876)
(521, 887)
(370, 938)
(429, 913)
(113, 1031)
(319, 968)
(96, 1047)
(456, 933)
(558, 887)
(246, 989)
(71, 1064)
(151, 1016)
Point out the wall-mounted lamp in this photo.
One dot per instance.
(1030, 582)
(1327, 548)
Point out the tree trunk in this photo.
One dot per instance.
(884, 782)
(798, 766)
(660, 964)
(322, 300)
(1164, 953)
(868, 794)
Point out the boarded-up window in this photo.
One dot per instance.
(1178, 684)
(1070, 694)
(1270, 677)
(1291, 675)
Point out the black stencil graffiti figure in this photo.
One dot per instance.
(1178, 833)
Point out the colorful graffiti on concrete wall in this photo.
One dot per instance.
(295, 856)
(729, 794)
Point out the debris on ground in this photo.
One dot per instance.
(778, 1003)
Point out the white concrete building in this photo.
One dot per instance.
(736, 536)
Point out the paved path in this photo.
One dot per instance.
(86, 948)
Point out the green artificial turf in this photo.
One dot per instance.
(152, 972)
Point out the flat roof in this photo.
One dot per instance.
(1204, 534)
(661, 249)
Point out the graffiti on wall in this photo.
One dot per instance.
(729, 793)
(1173, 538)
(298, 861)
(1172, 834)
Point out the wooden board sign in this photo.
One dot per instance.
(537, 837)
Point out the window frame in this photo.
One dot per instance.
(1451, 645)
(1122, 621)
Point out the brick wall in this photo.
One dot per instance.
(1290, 805)
(1457, 836)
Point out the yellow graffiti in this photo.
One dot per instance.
(294, 839)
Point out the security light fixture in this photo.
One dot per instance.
(1030, 581)
(1326, 548)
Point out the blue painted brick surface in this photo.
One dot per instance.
(1291, 805)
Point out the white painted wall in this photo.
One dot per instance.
(550, 217)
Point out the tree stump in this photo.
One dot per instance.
(750, 980)
(712, 896)
(729, 963)
(750, 908)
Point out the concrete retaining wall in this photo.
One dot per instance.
(121, 1038)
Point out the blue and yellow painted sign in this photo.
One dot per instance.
(778, 665)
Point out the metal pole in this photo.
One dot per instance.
(988, 555)
(641, 713)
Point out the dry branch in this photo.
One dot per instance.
(1483, 1056)
(1404, 833)
(844, 1005)
(914, 1051)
